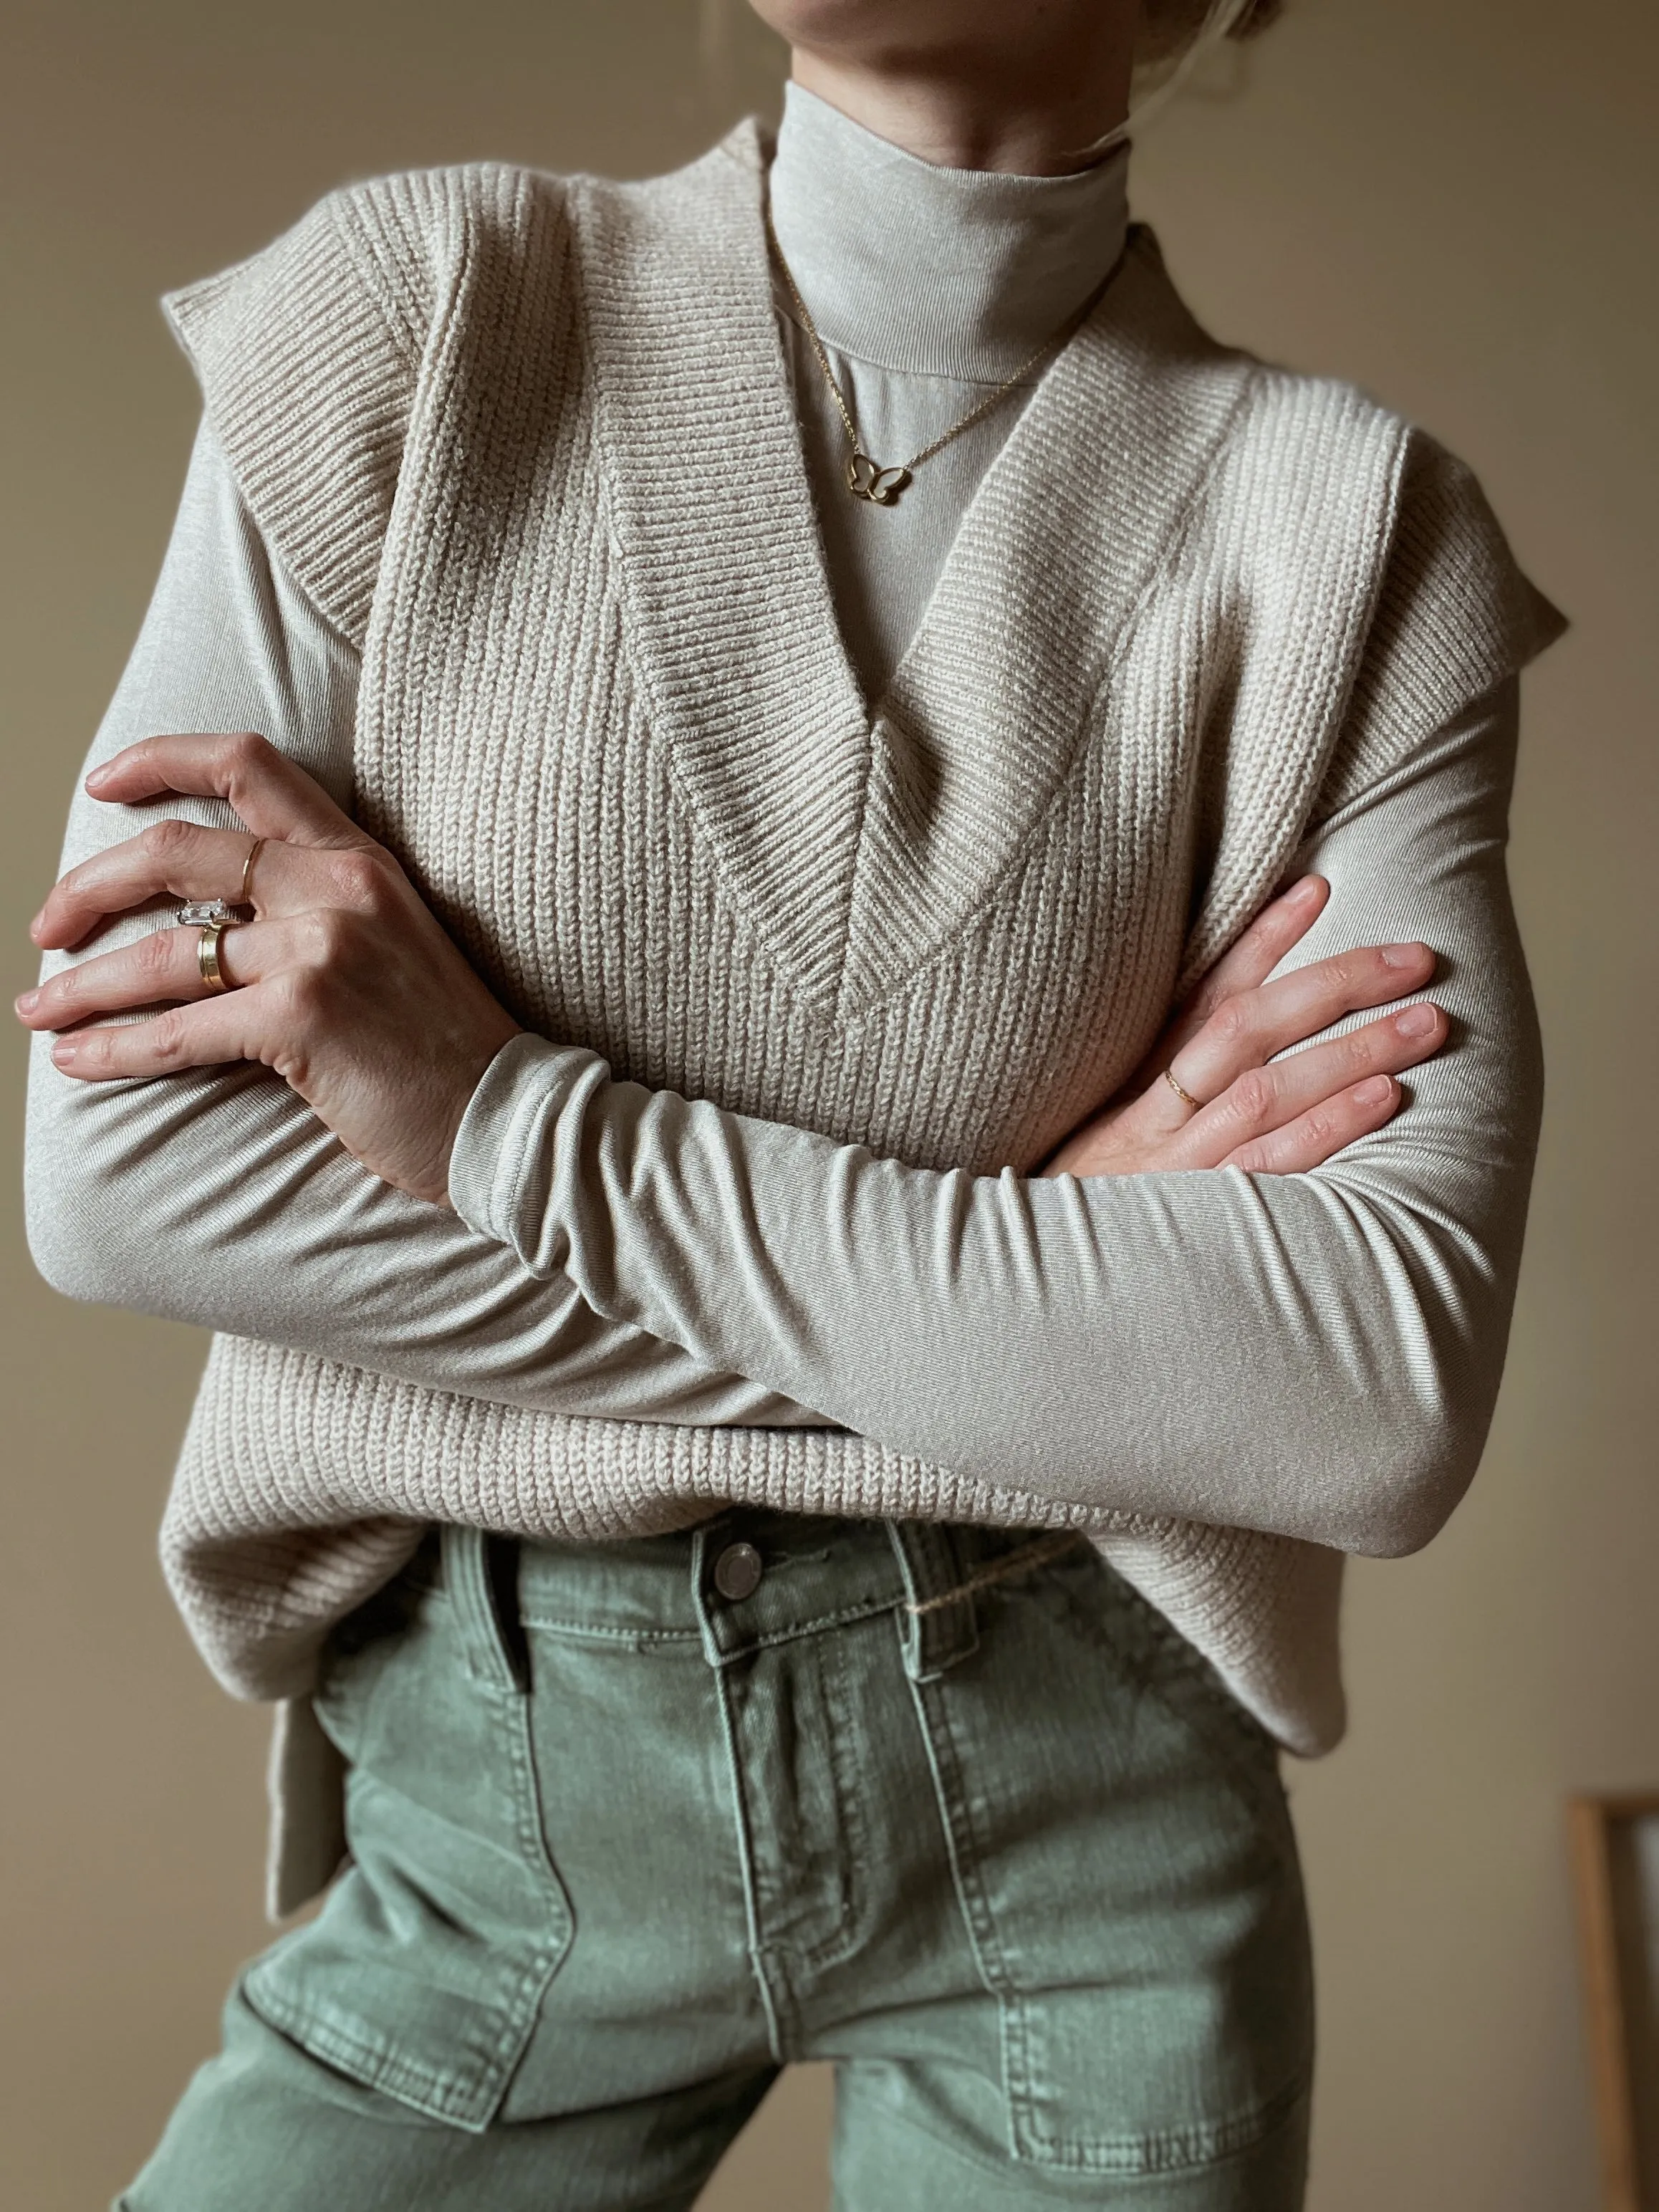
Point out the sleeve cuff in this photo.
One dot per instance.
(510, 1114)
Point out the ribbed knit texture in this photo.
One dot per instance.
(528, 442)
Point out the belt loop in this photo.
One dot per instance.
(481, 1575)
(938, 1624)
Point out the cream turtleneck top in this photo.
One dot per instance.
(929, 287)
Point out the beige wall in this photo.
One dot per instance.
(1452, 201)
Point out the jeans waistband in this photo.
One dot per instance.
(751, 1578)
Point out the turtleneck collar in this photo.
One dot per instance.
(959, 273)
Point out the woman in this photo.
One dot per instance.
(805, 1530)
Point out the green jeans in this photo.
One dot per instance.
(635, 1826)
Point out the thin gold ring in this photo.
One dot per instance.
(207, 955)
(244, 897)
(1185, 1096)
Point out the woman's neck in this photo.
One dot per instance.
(1028, 113)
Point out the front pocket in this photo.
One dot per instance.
(1128, 1873)
(423, 1974)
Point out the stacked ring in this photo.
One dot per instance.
(244, 897)
(207, 954)
(214, 917)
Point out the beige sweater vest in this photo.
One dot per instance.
(528, 441)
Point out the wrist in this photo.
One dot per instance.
(518, 1092)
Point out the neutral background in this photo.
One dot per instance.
(1453, 202)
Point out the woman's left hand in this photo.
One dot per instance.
(345, 983)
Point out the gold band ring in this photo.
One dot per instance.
(1185, 1096)
(244, 896)
(207, 955)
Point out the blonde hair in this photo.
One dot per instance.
(1174, 35)
(1170, 27)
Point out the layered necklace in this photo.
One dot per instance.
(881, 484)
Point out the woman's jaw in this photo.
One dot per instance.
(968, 84)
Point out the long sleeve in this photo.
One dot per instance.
(218, 1197)
(1314, 1355)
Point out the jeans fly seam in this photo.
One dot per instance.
(834, 1949)
(759, 1951)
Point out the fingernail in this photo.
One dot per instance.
(64, 1051)
(1375, 1091)
(1402, 956)
(1305, 891)
(27, 1001)
(97, 776)
(1416, 1021)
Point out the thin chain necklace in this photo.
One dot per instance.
(869, 480)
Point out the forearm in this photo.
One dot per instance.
(1313, 1354)
(220, 1200)
(218, 1197)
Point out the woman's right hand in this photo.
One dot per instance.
(1240, 1112)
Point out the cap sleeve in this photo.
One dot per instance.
(1454, 615)
(308, 355)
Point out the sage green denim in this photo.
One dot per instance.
(953, 1808)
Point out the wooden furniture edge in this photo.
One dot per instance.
(1589, 1819)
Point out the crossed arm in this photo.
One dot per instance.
(1277, 1309)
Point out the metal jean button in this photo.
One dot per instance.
(737, 1572)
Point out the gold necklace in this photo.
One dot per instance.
(869, 480)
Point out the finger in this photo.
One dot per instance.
(273, 796)
(1251, 1028)
(218, 1030)
(161, 967)
(1323, 1131)
(173, 857)
(1280, 925)
(1264, 1099)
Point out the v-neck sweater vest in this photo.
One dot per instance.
(528, 443)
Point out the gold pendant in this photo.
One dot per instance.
(866, 479)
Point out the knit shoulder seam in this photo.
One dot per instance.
(347, 211)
